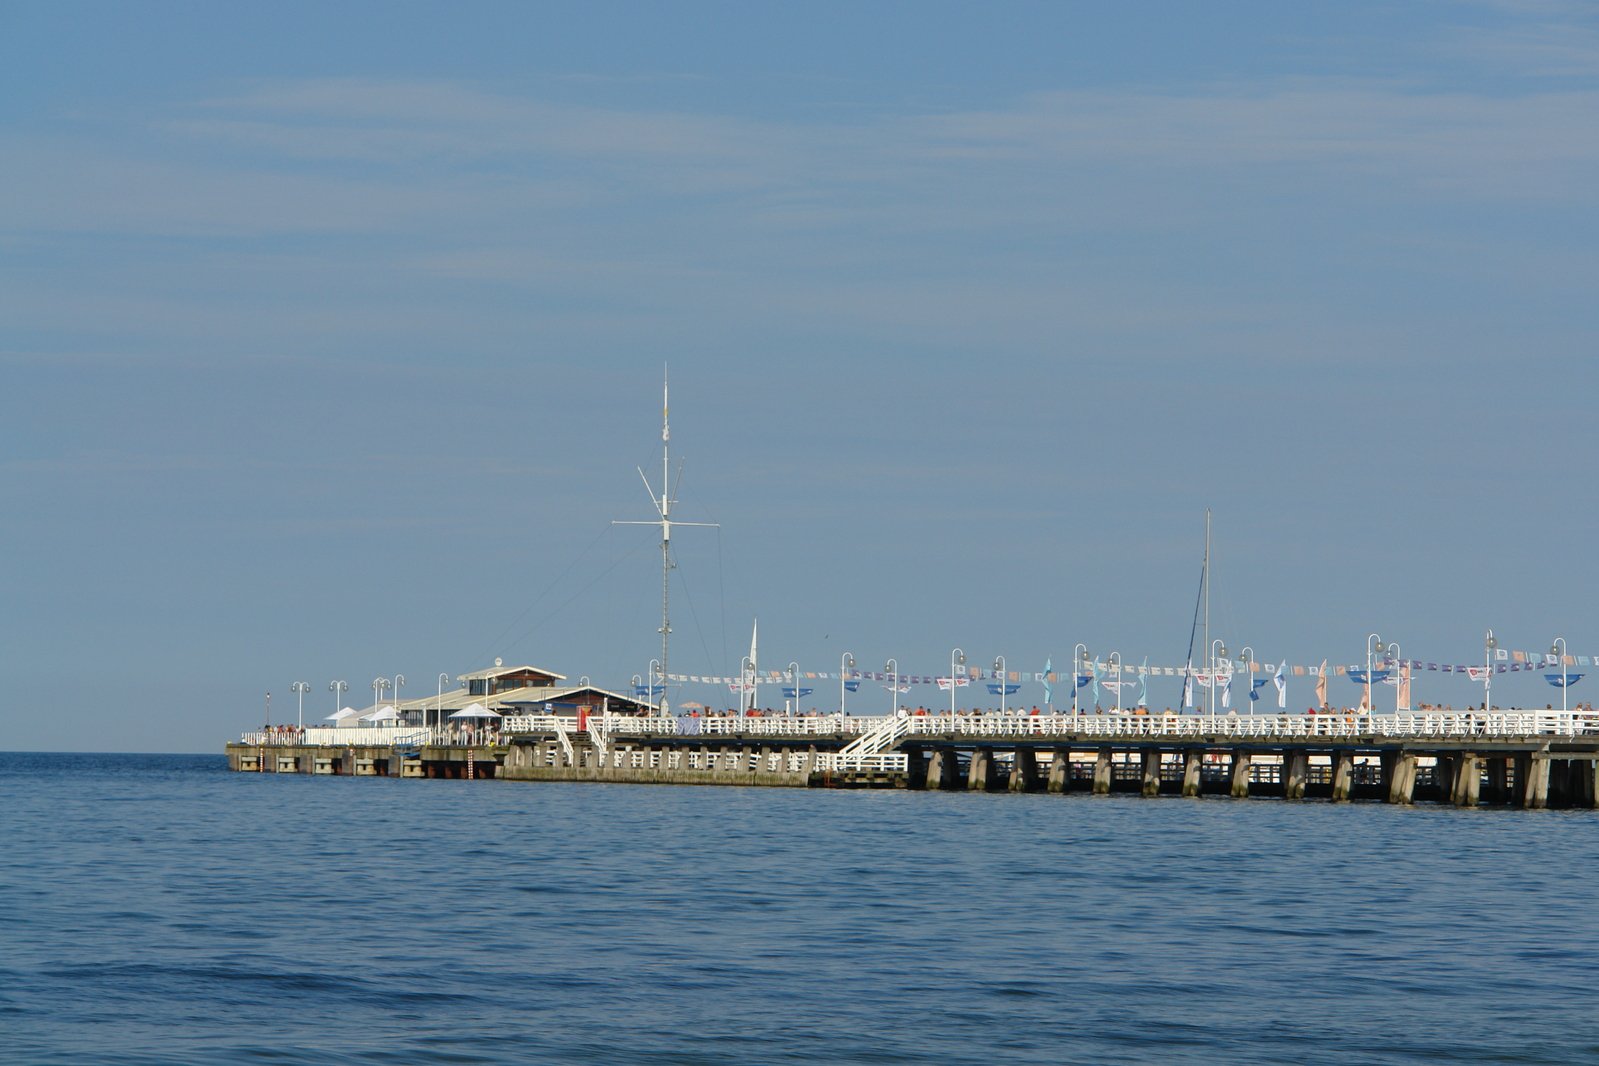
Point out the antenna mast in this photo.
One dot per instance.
(663, 508)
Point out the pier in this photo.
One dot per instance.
(1527, 759)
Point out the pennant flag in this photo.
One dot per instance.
(1403, 702)
(1188, 685)
(1049, 687)
(1143, 684)
(1093, 675)
(1562, 680)
(1282, 687)
(1321, 685)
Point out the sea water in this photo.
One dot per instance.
(159, 909)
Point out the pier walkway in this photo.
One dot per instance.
(1520, 758)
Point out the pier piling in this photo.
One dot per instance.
(1240, 789)
(1193, 768)
(1152, 772)
(1060, 771)
(1401, 778)
(1343, 775)
(1102, 771)
(980, 771)
(1296, 771)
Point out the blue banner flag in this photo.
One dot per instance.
(1562, 680)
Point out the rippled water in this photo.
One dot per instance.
(160, 909)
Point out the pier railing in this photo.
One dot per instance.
(886, 732)
(1406, 725)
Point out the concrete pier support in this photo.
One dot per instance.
(981, 771)
(1400, 778)
(1060, 772)
(1467, 780)
(1193, 764)
(943, 769)
(1532, 782)
(1152, 772)
(1343, 776)
(1102, 772)
(1024, 772)
(1241, 761)
(1296, 771)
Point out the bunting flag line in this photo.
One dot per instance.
(1391, 672)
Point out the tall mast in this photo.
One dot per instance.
(663, 509)
(1208, 660)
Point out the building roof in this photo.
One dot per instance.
(530, 695)
(534, 696)
(501, 671)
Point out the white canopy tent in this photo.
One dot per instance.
(385, 713)
(475, 710)
(342, 714)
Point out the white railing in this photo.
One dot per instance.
(879, 738)
(559, 726)
(886, 763)
(596, 731)
(1408, 725)
(345, 736)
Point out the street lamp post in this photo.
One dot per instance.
(1379, 649)
(999, 671)
(793, 679)
(399, 679)
(1560, 646)
(1218, 652)
(301, 688)
(956, 657)
(338, 688)
(1079, 664)
(892, 669)
(380, 685)
(1118, 657)
(846, 666)
(438, 714)
(1488, 646)
(1246, 655)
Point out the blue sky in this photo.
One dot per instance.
(332, 336)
